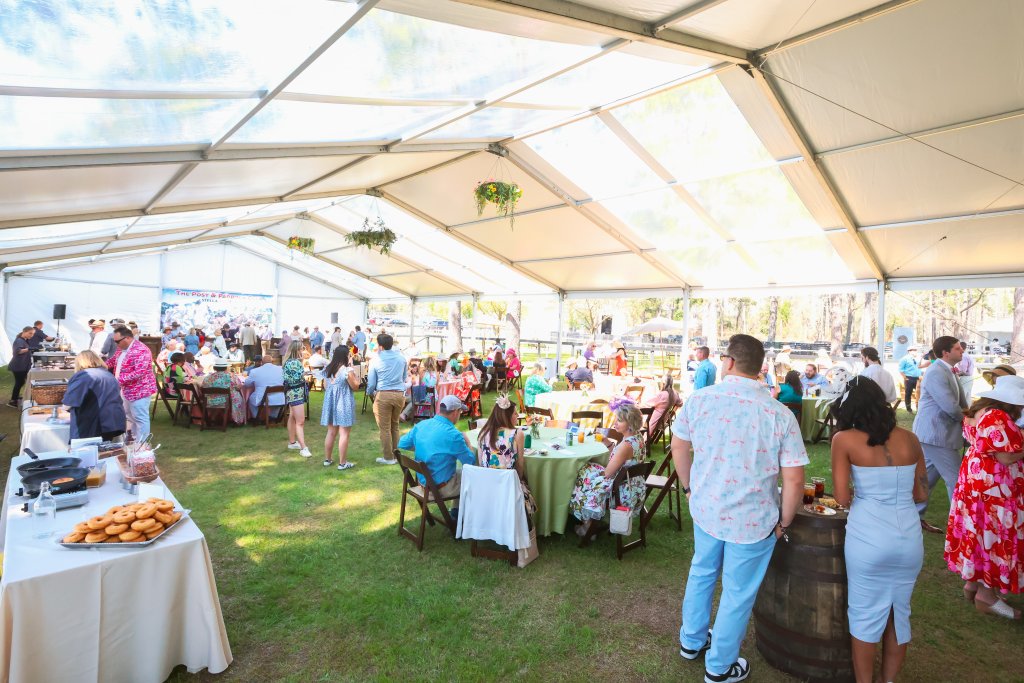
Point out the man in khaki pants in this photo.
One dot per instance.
(386, 386)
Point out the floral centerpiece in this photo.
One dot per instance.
(303, 244)
(535, 421)
(374, 235)
(503, 195)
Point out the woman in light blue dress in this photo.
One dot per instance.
(339, 412)
(884, 549)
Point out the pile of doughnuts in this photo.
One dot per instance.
(133, 523)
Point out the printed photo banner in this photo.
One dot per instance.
(208, 310)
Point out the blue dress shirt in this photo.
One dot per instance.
(439, 445)
(387, 372)
(704, 376)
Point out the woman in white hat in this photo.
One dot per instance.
(985, 533)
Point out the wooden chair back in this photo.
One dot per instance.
(423, 495)
(213, 414)
(579, 415)
(647, 411)
(642, 470)
(427, 407)
(267, 410)
(635, 392)
(796, 408)
(543, 412)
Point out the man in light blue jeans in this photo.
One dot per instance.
(730, 443)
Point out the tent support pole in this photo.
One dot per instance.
(684, 347)
(476, 329)
(277, 296)
(561, 325)
(412, 320)
(881, 320)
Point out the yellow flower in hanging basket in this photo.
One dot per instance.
(503, 195)
(303, 244)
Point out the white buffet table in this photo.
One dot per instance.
(41, 436)
(128, 615)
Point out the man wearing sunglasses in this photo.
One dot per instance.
(132, 365)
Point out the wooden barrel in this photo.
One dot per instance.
(800, 612)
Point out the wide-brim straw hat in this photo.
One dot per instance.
(991, 376)
(1009, 389)
(618, 345)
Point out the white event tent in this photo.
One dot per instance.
(664, 147)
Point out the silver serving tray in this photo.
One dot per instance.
(134, 544)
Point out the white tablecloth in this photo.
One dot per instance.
(42, 437)
(125, 615)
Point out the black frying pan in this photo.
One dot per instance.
(31, 483)
(47, 464)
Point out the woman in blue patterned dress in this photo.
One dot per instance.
(594, 481)
(339, 412)
(500, 445)
(295, 397)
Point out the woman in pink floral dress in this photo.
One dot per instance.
(985, 534)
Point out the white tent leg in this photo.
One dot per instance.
(685, 346)
(412, 320)
(881, 320)
(476, 328)
(558, 344)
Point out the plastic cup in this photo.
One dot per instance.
(808, 493)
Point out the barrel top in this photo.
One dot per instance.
(815, 519)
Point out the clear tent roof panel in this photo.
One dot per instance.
(169, 221)
(380, 169)
(44, 234)
(137, 44)
(662, 218)
(497, 123)
(606, 79)
(68, 122)
(755, 204)
(391, 55)
(594, 158)
(695, 131)
(310, 122)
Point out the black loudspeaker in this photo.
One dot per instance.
(606, 325)
(334, 318)
(59, 310)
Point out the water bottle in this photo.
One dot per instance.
(44, 512)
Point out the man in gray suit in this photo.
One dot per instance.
(939, 420)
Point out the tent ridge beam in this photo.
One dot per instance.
(799, 138)
(441, 227)
(575, 15)
(339, 266)
(611, 230)
(420, 267)
(129, 93)
(835, 26)
(469, 110)
(634, 145)
(683, 14)
(908, 137)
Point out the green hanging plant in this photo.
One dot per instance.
(303, 244)
(374, 235)
(503, 195)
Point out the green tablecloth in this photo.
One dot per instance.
(812, 410)
(552, 476)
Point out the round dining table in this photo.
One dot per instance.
(552, 475)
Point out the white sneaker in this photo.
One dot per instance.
(305, 453)
(736, 673)
(294, 446)
(385, 461)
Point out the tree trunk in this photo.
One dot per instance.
(514, 318)
(931, 312)
(454, 327)
(850, 299)
(836, 325)
(709, 323)
(773, 317)
(867, 317)
(1017, 341)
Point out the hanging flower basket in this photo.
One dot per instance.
(504, 196)
(374, 235)
(303, 244)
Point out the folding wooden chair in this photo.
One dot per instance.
(824, 428)
(643, 470)
(796, 408)
(474, 405)
(635, 392)
(543, 412)
(366, 399)
(647, 412)
(188, 398)
(267, 410)
(664, 480)
(423, 495)
(523, 412)
(208, 412)
(579, 415)
(428, 406)
(162, 396)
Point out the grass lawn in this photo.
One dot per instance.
(316, 585)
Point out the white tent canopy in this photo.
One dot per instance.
(662, 145)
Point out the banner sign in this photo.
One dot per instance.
(208, 310)
(902, 339)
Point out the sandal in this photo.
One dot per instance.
(998, 608)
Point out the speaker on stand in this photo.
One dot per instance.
(59, 313)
